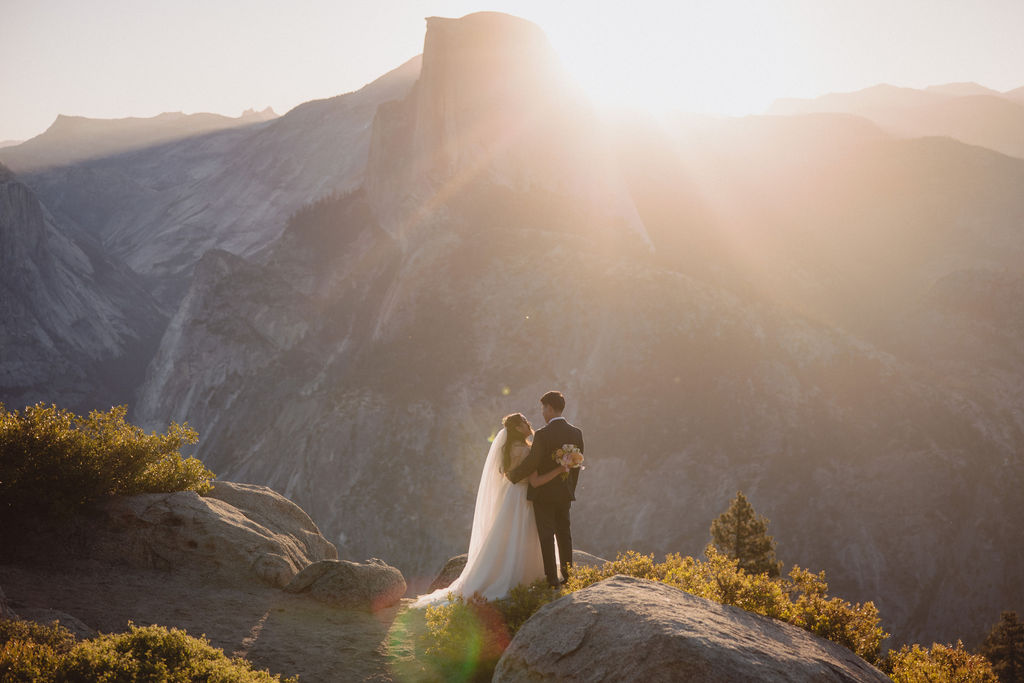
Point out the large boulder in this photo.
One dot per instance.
(453, 567)
(351, 585)
(238, 532)
(277, 514)
(627, 629)
(451, 570)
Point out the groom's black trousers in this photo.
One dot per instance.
(553, 523)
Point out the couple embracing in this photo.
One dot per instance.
(521, 521)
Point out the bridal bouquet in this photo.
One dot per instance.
(568, 455)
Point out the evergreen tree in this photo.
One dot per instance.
(1004, 647)
(742, 534)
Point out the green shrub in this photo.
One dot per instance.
(940, 664)
(523, 601)
(31, 652)
(53, 462)
(54, 636)
(155, 653)
(854, 626)
(463, 640)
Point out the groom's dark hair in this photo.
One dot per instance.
(554, 399)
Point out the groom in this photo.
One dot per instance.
(551, 501)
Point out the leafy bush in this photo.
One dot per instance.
(940, 664)
(854, 626)
(523, 601)
(54, 636)
(31, 652)
(463, 640)
(53, 462)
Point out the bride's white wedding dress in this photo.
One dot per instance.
(504, 549)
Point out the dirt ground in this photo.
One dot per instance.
(285, 633)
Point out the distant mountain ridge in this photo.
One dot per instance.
(71, 139)
(967, 112)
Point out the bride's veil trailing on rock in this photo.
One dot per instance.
(490, 566)
(489, 495)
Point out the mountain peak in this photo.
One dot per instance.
(488, 47)
(493, 106)
(496, 24)
(252, 114)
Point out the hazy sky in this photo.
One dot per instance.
(115, 58)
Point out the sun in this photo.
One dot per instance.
(707, 58)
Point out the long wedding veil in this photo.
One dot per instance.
(489, 496)
(492, 490)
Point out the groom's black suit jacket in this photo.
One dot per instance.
(546, 441)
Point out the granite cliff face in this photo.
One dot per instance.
(159, 209)
(77, 326)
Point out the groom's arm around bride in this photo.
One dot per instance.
(546, 441)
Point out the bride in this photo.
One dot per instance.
(504, 549)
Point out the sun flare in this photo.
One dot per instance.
(711, 59)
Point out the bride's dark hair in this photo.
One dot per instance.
(512, 435)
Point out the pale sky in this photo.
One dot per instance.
(116, 58)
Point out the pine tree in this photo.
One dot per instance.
(1004, 647)
(742, 534)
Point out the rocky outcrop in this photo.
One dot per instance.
(285, 633)
(268, 539)
(369, 586)
(627, 629)
(451, 570)
(454, 566)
